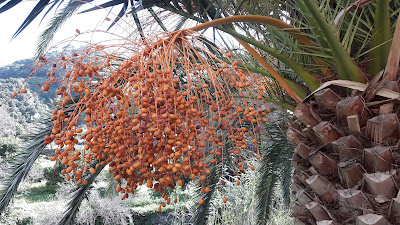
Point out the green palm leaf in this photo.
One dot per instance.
(202, 212)
(35, 12)
(275, 168)
(9, 5)
(381, 40)
(79, 194)
(55, 24)
(21, 164)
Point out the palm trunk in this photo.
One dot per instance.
(345, 161)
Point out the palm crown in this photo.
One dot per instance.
(319, 41)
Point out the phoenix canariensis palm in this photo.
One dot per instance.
(225, 83)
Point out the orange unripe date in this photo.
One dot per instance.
(92, 170)
(146, 122)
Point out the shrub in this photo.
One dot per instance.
(8, 146)
(53, 175)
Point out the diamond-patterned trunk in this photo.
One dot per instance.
(346, 157)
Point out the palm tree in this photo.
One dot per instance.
(28, 156)
(68, 108)
(345, 161)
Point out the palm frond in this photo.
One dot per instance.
(9, 5)
(157, 19)
(35, 12)
(120, 14)
(108, 4)
(219, 170)
(286, 181)
(382, 34)
(21, 164)
(55, 24)
(111, 183)
(80, 193)
(202, 212)
(275, 166)
(138, 24)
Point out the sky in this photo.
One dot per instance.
(23, 46)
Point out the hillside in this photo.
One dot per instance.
(18, 114)
(18, 69)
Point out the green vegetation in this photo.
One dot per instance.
(8, 146)
(40, 193)
(17, 114)
(141, 208)
(53, 175)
